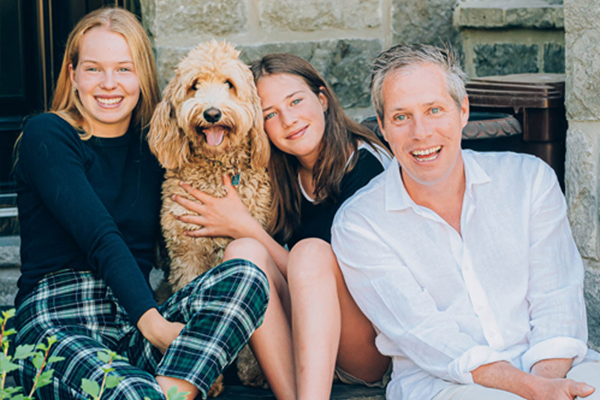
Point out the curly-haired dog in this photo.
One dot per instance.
(209, 124)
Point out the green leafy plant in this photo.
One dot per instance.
(40, 358)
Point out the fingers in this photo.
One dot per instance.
(581, 389)
(203, 197)
(188, 204)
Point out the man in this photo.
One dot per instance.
(463, 261)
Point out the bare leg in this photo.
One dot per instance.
(272, 342)
(326, 320)
(166, 382)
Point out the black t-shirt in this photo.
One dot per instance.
(88, 205)
(316, 219)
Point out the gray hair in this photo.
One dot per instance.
(402, 57)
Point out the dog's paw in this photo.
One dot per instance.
(217, 388)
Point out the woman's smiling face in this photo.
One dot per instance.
(294, 115)
(106, 81)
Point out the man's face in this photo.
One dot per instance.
(423, 125)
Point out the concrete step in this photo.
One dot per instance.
(10, 263)
(339, 392)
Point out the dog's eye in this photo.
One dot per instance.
(229, 84)
(194, 85)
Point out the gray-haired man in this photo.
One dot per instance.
(463, 261)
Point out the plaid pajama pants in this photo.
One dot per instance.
(220, 310)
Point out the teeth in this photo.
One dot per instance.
(427, 152)
(113, 100)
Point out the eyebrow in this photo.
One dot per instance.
(286, 97)
(430, 103)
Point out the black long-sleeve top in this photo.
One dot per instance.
(88, 205)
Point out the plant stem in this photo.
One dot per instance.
(104, 380)
(40, 371)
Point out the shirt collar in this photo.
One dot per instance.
(397, 198)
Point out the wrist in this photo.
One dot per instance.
(148, 322)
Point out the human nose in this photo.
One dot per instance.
(288, 118)
(420, 129)
(108, 81)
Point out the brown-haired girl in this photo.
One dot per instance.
(319, 158)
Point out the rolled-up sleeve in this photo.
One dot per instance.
(555, 296)
(390, 296)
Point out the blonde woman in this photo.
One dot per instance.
(89, 200)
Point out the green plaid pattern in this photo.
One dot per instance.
(220, 310)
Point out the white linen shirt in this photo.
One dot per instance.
(508, 287)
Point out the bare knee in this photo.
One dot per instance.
(248, 249)
(311, 260)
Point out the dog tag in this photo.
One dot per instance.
(235, 180)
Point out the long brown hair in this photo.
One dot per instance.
(66, 102)
(340, 141)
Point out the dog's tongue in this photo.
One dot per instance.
(214, 135)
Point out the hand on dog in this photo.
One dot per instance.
(217, 216)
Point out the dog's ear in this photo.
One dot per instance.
(259, 142)
(167, 141)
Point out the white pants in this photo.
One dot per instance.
(588, 372)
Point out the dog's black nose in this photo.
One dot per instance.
(212, 115)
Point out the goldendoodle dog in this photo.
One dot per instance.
(209, 124)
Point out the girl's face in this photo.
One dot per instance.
(294, 115)
(107, 82)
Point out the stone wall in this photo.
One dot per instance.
(583, 144)
(339, 37)
(511, 37)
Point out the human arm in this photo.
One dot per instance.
(412, 323)
(504, 376)
(555, 295)
(54, 169)
(227, 216)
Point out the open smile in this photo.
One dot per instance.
(427, 155)
(297, 134)
(110, 102)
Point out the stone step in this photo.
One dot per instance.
(10, 263)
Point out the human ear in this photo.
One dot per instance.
(464, 111)
(380, 123)
(323, 98)
(72, 76)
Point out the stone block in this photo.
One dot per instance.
(581, 15)
(9, 252)
(581, 167)
(8, 286)
(592, 300)
(429, 22)
(505, 59)
(502, 14)
(583, 70)
(188, 18)
(314, 15)
(554, 58)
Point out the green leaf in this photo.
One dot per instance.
(120, 358)
(45, 378)
(9, 313)
(54, 359)
(38, 360)
(52, 340)
(6, 365)
(90, 387)
(41, 346)
(24, 351)
(9, 332)
(9, 392)
(113, 381)
(104, 356)
(173, 394)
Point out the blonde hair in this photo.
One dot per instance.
(66, 102)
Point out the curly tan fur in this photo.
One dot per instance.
(210, 77)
